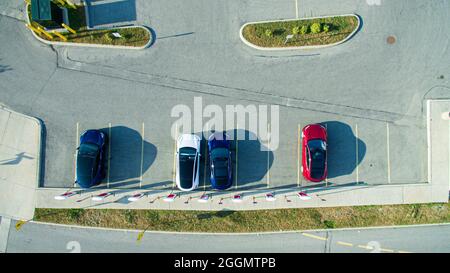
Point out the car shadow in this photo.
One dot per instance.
(127, 149)
(345, 151)
(250, 157)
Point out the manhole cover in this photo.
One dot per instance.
(391, 40)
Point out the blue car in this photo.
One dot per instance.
(220, 161)
(90, 158)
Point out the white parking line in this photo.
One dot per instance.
(109, 154)
(296, 9)
(75, 154)
(237, 156)
(206, 164)
(388, 154)
(268, 155)
(326, 178)
(142, 153)
(357, 153)
(299, 137)
(174, 156)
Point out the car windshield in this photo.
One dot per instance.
(219, 153)
(187, 160)
(88, 149)
(317, 151)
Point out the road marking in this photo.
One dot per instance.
(296, 9)
(109, 153)
(344, 243)
(387, 250)
(174, 156)
(357, 153)
(388, 154)
(237, 156)
(365, 247)
(298, 154)
(142, 153)
(314, 236)
(401, 251)
(326, 178)
(268, 155)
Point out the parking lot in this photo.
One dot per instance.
(359, 152)
(370, 103)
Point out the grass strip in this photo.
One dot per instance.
(250, 221)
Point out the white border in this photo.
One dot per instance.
(238, 233)
(241, 36)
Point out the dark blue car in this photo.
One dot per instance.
(90, 158)
(220, 161)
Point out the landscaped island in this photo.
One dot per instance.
(322, 31)
(77, 32)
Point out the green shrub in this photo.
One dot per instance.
(304, 29)
(75, 214)
(130, 216)
(329, 224)
(316, 28)
(326, 28)
(108, 37)
(269, 33)
(295, 30)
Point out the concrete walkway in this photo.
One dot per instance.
(20, 142)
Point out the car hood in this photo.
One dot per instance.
(315, 131)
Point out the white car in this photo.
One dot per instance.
(188, 162)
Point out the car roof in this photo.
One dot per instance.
(85, 166)
(186, 172)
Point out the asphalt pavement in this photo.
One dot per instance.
(35, 237)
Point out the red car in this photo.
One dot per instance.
(314, 152)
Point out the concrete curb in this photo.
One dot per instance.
(241, 36)
(94, 45)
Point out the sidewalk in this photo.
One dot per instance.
(20, 142)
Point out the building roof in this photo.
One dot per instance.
(41, 10)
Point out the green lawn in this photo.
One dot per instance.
(273, 34)
(250, 221)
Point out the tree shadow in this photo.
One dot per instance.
(127, 149)
(343, 156)
(110, 12)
